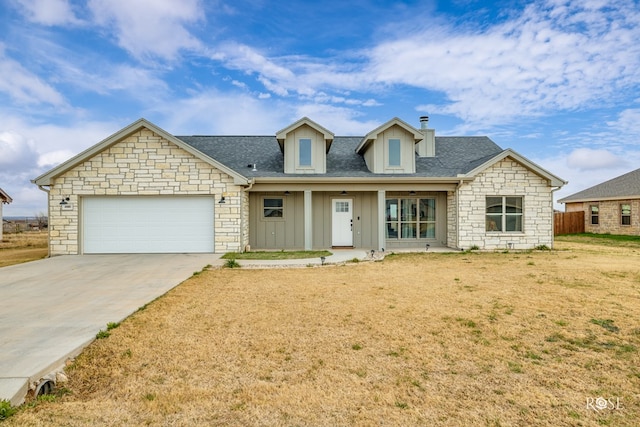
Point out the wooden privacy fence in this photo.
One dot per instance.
(568, 222)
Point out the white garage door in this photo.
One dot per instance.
(147, 224)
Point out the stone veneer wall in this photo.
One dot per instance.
(609, 216)
(145, 164)
(452, 219)
(506, 178)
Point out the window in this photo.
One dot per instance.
(504, 213)
(272, 208)
(342, 206)
(625, 214)
(394, 152)
(411, 218)
(595, 214)
(304, 154)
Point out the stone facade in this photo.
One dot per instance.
(505, 178)
(609, 216)
(145, 164)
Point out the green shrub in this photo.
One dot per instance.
(231, 263)
(6, 410)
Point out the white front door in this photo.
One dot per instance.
(342, 222)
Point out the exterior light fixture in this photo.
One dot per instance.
(64, 201)
(286, 193)
(322, 259)
(427, 247)
(222, 199)
(373, 251)
(412, 193)
(344, 193)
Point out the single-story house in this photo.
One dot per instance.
(145, 190)
(610, 207)
(4, 198)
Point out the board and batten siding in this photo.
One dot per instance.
(288, 232)
(292, 151)
(376, 155)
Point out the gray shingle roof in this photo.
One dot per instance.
(454, 155)
(624, 186)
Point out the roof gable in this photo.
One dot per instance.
(4, 197)
(281, 135)
(623, 186)
(45, 179)
(373, 135)
(553, 180)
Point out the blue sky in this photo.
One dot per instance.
(558, 81)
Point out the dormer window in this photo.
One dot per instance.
(394, 152)
(304, 152)
(305, 145)
(391, 148)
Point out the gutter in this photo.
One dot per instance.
(47, 190)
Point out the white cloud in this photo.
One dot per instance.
(16, 152)
(552, 56)
(569, 167)
(339, 120)
(628, 123)
(590, 159)
(28, 149)
(150, 27)
(24, 86)
(48, 12)
(211, 112)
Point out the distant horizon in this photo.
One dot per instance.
(556, 82)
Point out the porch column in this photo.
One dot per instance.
(308, 221)
(382, 207)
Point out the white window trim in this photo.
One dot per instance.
(299, 164)
(388, 152)
(503, 217)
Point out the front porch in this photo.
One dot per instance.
(382, 219)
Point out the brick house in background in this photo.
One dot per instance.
(146, 190)
(4, 199)
(610, 207)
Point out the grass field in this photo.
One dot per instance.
(546, 338)
(16, 248)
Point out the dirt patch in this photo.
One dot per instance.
(418, 339)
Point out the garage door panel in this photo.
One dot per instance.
(148, 224)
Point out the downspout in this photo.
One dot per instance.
(242, 218)
(46, 190)
(553, 218)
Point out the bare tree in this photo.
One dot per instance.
(43, 220)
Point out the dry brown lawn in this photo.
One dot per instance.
(482, 339)
(16, 248)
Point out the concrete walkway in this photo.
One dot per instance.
(52, 308)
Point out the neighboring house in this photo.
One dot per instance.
(145, 190)
(4, 198)
(611, 207)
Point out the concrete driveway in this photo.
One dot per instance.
(52, 308)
